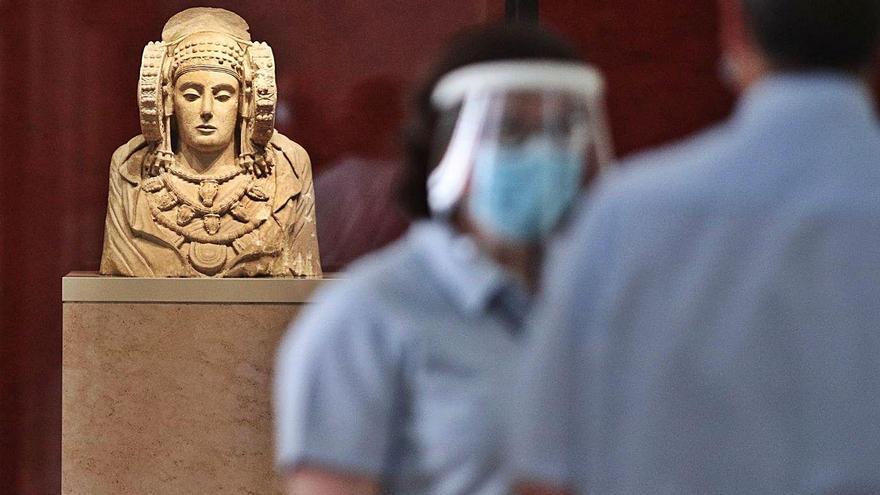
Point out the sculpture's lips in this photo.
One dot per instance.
(206, 128)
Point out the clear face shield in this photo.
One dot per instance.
(523, 137)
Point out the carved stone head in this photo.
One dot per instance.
(203, 82)
(205, 107)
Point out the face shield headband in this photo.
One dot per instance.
(475, 91)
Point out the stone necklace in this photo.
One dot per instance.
(208, 185)
(205, 207)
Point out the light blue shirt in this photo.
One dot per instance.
(398, 372)
(712, 323)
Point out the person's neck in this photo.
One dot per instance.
(750, 70)
(203, 162)
(863, 77)
(523, 261)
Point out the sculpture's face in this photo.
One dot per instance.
(206, 109)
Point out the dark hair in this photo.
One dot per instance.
(475, 45)
(816, 34)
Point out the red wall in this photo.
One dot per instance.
(660, 60)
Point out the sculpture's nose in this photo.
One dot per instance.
(207, 107)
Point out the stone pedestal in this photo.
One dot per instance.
(167, 383)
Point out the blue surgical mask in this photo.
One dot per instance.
(520, 192)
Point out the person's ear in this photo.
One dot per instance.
(743, 59)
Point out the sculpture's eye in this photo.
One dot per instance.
(223, 97)
(190, 96)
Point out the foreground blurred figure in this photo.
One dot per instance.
(712, 324)
(393, 381)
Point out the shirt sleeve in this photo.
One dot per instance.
(551, 396)
(337, 378)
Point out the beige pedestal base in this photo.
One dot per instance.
(169, 398)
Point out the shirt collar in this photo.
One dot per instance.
(473, 281)
(807, 98)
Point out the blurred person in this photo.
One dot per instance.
(393, 380)
(355, 202)
(711, 323)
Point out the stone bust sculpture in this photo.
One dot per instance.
(209, 188)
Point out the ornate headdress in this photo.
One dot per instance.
(204, 38)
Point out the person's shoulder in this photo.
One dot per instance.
(365, 298)
(390, 272)
(674, 169)
(371, 283)
(678, 175)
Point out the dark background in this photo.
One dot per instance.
(68, 70)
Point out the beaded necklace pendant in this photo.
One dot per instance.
(208, 192)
